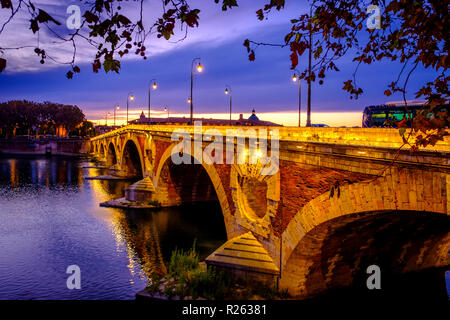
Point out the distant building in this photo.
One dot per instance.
(253, 120)
(101, 129)
(253, 116)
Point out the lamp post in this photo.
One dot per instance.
(106, 118)
(117, 107)
(295, 78)
(199, 69)
(167, 110)
(154, 86)
(231, 94)
(130, 96)
(308, 106)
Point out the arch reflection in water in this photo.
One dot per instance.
(151, 236)
(50, 219)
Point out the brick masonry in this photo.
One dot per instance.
(332, 185)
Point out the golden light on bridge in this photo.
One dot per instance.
(199, 67)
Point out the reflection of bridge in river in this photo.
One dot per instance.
(335, 206)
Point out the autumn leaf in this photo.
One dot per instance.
(2, 64)
(111, 65)
(6, 4)
(123, 20)
(69, 75)
(96, 65)
(227, 4)
(247, 44)
(288, 37)
(251, 56)
(34, 25)
(294, 60)
(90, 17)
(260, 14)
(43, 17)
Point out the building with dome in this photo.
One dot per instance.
(253, 120)
(253, 116)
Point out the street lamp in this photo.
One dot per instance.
(167, 110)
(199, 69)
(231, 93)
(130, 96)
(154, 86)
(117, 107)
(106, 120)
(295, 78)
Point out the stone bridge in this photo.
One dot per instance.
(338, 203)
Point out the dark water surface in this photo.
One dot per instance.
(50, 218)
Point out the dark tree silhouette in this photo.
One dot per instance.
(27, 117)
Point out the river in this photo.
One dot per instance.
(50, 219)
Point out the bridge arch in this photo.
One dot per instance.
(111, 155)
(401, 199)
(165, 163)
(131, 159)
(337, 253)
(102, 150)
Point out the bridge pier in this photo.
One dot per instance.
(336, 196)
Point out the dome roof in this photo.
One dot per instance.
(253, 116)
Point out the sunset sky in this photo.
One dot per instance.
(264, 84)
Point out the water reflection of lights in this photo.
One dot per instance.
(14, 175)
(141, 246)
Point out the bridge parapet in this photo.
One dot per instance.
(326, 176)
(372, 137)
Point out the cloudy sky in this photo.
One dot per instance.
(264, 84)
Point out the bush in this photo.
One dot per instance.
(181, 262)
(209, 284)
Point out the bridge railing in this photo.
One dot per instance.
(371, 137)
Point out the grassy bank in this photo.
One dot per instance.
(188, 278)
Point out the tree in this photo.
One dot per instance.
(23, 117)
(412, 32)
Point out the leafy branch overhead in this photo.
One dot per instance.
(411, 32)
(105, 27)
(414, 33)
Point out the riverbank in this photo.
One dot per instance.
(45, 146)
(188, 279)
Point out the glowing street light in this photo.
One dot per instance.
(295, 78)
(199, 69)
(231, 94)
(130, 96)
(154, 86)
(167, 110)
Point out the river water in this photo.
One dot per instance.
(50, 219)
